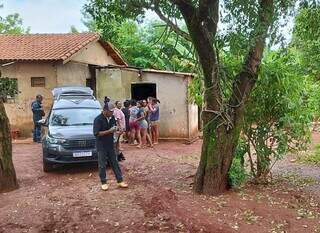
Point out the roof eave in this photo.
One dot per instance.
(29, 60)
(116, 56)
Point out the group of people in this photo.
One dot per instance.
(138, 122)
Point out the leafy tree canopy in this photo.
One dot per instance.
(12, 24)
(306, 39)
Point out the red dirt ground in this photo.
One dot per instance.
(159, 199)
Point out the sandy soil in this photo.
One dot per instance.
(159, 199)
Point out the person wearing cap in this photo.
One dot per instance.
(104, 127)
(38, 113)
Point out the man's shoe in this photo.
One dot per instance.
(121, 157)
(123, 185)
(105, 187)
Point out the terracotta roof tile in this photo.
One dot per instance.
(49, 47)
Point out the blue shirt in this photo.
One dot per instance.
(36, 110)
(134, 111)
(155, 115)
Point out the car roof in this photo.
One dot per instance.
(76, 103)
(71, 90)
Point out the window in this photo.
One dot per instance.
(38, 82)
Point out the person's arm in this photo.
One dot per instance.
(36, 107)
(142, 116)
(153, 109)
(97, 129)
(117, 117)
(106, 132)
(150, 107)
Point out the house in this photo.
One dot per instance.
(178, 117)
(40, 62)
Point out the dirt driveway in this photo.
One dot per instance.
(159, 198)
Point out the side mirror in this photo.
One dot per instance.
(42, 122)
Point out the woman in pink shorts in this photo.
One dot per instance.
(134, 124)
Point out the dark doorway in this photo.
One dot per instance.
(141, 91)
(91, 82)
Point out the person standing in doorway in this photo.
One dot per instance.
(38, 113)
(104, 127)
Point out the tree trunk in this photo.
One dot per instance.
(8, 180)
(222, 122)
(218, 148)
(263, 167)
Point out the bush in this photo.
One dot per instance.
(237, 173)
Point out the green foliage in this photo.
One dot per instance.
(73, 29)
(12, 24)
(306, 40)
(148, 45)
(8, 87)
(237, 173)
(311, 158)
(280, 111)
(195, 91)
(130, 41)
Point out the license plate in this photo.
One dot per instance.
(82, 154)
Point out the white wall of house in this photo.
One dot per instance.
(178, 118)
(93, 54)
(19, 109)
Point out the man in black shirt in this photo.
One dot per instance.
(104, 127)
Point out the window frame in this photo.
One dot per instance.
(40, 79)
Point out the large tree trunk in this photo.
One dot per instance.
(222, 122)
(8, 180)
(216, 156)
(218, 148)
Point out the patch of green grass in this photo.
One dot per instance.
(312, 157)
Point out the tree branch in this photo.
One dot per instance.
(172, 25)
(209, 14)
(247, 77)
(203, 38)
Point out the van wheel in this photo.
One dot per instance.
(47, 167)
